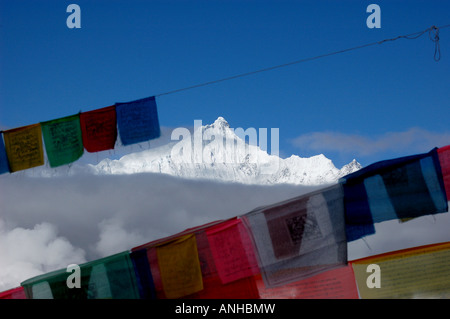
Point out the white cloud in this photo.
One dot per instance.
(114, 238)
(414, 140)
(49, 223)
(25, 253)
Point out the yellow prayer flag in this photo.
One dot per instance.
(180, 267)
(24, 147)
(420, 272)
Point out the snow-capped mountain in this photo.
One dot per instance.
(216, 152)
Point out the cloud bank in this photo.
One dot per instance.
(49, 223)
(414, 140)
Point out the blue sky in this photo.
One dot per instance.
(371, 104)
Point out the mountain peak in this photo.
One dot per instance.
(355, 163)
(216, 152)
(221, 122)
(351, 167)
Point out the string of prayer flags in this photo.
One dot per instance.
(63, 140)
(401, 188)
(444, 159)
(111, 277)
(99, 129)
(138, 121)
(4, 166)
(15, 293)
(336, 283)
(419, 272)
(233, 251)
(66, 138)
(300, 237)
(24, 147)
(153, 285)
(293, 249)
(179, 267)
(212, 286)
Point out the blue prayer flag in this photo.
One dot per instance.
(405, 187)
(138, 121)
(4, 166)
(143, 273)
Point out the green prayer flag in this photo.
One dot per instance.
(112, 277)
(63, 140)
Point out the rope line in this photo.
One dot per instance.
(433, 33)
(431, 30)
(435, 39)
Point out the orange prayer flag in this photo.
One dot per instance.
(24, 147)
(179, 267)
(418, 272)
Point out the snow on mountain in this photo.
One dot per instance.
(216, 152)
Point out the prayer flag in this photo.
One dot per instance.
(138, 121)
(213, 287)
(111, 277)
(300, 237)
(99, 129)
(337, 283)
(63, 140)
(179, 267)
(4, 166)
(155, 284)
(406, 187)
(419, 272)
(15, 293)
(444, 159)
(24, 147)
(233, 251)
(143, 274)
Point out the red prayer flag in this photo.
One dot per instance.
(337, 283)
(233, 251)
(213, 288)
(15, 293)
(99, 129)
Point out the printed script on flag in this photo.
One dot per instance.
(420, 272)
(24, 147)
(180, 267)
